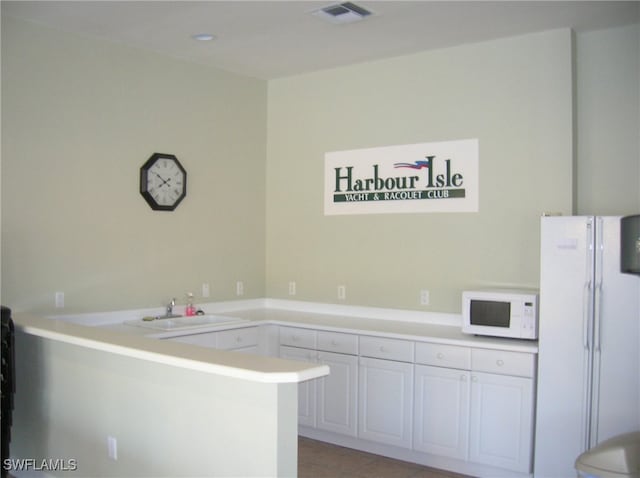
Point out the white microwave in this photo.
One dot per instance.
(501, 313)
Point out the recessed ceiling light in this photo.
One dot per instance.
(203, 37)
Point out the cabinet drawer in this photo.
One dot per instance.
(204, 340)
(338, 342)
(296, 353)
(297, 337)
(237, 338)
(390, 349)
(502, 362)
(451, 356)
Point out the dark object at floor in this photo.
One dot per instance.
(8, 382)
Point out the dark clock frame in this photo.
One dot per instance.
(144, 170)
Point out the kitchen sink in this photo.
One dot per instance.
(178, 323)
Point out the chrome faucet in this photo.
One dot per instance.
(170, 307)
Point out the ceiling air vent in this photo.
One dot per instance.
(342, 13)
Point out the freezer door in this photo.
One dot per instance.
(565, 339)
(616, 395)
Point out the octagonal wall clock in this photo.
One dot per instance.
(163, 182)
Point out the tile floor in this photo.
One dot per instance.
(317, 459)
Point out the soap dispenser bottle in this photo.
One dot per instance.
(190, 310)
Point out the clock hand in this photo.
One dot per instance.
(164, 181)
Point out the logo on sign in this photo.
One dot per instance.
(429, 185)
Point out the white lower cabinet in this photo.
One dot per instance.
(385, 404)
(502, 409)
(471, 407)
(475, 405)
(441, 411)
(307, 389)
(480, 417)
(239, 340)
(501, 426)
(337, 394)
(328, 403)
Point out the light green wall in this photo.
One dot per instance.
(608, 119)
(514, 95)
(79, 118)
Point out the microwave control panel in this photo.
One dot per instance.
(529, 320)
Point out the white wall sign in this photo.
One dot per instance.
(425, 177)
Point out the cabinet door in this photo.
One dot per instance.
(501, 421)
(307, 389)
(337, 393)
(385, 398)
(441, 411)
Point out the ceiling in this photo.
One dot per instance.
(272, 39)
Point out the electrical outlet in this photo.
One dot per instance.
(206, 291)
(239, 288)
(59, 300)
(292, 288)
(342, 292)
(424, 297)
(112, 448)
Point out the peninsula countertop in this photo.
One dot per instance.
(220, 362)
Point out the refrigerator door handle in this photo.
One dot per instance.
(597, 316)
(588, 295)
(597, 299)
(586, 315)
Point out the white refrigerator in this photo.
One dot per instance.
(588, 387)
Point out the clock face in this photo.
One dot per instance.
(163, 182)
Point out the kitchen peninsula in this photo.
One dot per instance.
(170, 393)
(123, 405)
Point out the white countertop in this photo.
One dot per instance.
(421, 331)
(112, 335)
(131, 344)
(417, 331)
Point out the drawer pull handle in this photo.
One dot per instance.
(463, 378)
(382, 349)
(499, 362)
(474, 379)
(238, 339)
(334, 342)
(440, 355)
